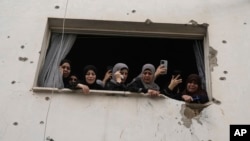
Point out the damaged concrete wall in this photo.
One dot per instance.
(28, 115)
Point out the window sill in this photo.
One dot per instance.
(96, 92)
(113, 93)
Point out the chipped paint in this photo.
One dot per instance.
(30, 115)
(212, 58)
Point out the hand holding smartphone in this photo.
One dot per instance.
(164, 63)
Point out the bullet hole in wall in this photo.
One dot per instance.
(133, 11)
(13, 82)
(225, 72)
(41, 122)
(224, 41)
(49, 139)
(23, 59)
(22, 46)
(15, 123)
(222, 78)
(57, 7)
(47, 98)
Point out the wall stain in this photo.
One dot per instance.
(212, 58)
(193, 22)
(222, 112)
(216, 101)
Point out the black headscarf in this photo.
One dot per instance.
(94, 85)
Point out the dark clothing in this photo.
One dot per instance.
(172, 94)
(66, 82)
(72, 86)
(137, 86)
(198, 97)
(112, 85)
(93, 86)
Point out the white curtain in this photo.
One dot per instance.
(199, 55)
(60, 45)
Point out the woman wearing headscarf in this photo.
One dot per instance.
(193, 92)
(144, 83)
(65, 69)
(119, 77)
(89, 79)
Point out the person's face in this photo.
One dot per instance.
(124, 72)
(65, 69)
(147, 76)
(72, 79)
(90, 77)
(192, 87)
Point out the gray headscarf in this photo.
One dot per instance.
(117, 67)
(152, 84)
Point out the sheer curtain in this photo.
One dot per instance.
(199, 55)
(60, 46)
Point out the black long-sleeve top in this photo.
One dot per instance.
(112, 85)
(137, 86)
(198, 97)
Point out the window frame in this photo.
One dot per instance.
(126, 28)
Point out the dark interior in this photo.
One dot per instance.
(103, 51)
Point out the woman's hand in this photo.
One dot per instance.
(174, 82)
(85, 88)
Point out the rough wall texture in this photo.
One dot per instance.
(27, 115)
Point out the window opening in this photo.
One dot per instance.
(105, 48)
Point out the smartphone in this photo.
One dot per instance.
(164, 62)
